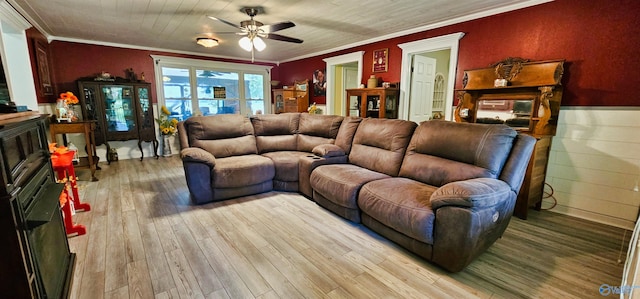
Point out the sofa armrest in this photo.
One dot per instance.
(307, 165)
(198, 165)
(328, 150)
(473, 193)
(194, 154)
(470, 216)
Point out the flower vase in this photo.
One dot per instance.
(166, 146)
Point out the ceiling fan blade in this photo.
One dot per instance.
(223, 21)
(277, 27)
(282, 38)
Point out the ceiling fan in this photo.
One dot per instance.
(254, 31)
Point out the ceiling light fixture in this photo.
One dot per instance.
(246, 44)
(252, 40)
(254, 32)
(259, 44)
(207, 42)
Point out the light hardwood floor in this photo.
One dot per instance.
(144, 240)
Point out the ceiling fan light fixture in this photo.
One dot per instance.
(245, 43)
(259, 44)
(207, 42)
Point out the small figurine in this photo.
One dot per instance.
(142, 76)
(131, 76)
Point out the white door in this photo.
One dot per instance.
(423, 71)
(350, 81)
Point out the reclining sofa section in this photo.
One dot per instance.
(443, 190)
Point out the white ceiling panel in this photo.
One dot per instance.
(174, 25)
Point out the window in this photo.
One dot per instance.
(218, 87)
(177, 92)
(218, 92)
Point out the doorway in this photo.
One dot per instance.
(340, 73)
(423, 75)
(423, 101)
(428, 85)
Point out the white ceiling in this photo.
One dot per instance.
(173, 25)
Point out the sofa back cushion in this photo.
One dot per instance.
(380, 144)
(315, 129)
(441, 152)
(276, 132)
(222, 135)
(347, 130)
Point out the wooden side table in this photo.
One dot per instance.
(84, 127)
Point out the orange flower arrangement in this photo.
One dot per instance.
(69, 98)
(57, 150)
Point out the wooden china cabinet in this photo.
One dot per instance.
(378, 102)
(293, 98)
(123, 111)
(526, 96)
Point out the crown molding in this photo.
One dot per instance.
(135, 47)
(9, 15)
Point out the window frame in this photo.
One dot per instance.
(198, 64)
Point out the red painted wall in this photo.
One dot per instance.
(75, 60)
(599, 40)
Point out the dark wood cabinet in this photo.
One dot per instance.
(35, 256)
(526, 96)
(372, 102)
(122, 111)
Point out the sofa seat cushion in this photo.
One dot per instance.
(340, 183)
(286, 164)
(238, 171)
(401, 204)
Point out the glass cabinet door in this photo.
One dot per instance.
(119, 108)
(373, 106)
(391, 106)
(90, 108)
(147, 125)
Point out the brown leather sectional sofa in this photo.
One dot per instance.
(443, 190)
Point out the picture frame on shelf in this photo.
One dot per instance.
(380, 60)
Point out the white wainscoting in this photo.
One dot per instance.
(594, 164)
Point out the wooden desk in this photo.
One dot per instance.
(86, 128)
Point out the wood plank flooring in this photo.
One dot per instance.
(145, 240)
